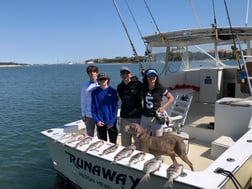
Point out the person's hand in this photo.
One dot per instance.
(100, 123)
(161, 110)
(83, 118)
(109, 126)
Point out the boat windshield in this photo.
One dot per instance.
(168, 60)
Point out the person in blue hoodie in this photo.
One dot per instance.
(104, 108)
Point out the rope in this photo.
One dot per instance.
(229, 175)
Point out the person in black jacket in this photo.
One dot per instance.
(130, 94)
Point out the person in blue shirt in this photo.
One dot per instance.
(104, 108)
(86, 92)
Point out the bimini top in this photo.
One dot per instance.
(199, 36)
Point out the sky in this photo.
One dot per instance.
(58, 31)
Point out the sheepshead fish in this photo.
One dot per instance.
(76, 138)
(173, 171)
(95, 145)
(84, 141)
(151, 166)
(110, 149)
(124, 153)
(136, 158)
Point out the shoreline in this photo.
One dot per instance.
(3, 66)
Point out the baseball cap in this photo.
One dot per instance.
(151, 72)
(125, 69)
(102, 75)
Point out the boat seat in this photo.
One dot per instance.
(177, 112)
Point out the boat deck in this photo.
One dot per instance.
(200, 115)
(198, 124)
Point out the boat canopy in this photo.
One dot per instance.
(199, 36)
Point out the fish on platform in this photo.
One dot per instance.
(109, 149)
(76, 138)
(95, 145)
(124, 153)
(136, 158)
(151, 166)
(84, 141)
(67, 136)
(173, 171)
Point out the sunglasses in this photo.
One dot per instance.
(102, 79)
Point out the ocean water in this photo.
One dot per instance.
(33, 99)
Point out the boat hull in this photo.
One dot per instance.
(88, 171)
(92, 170)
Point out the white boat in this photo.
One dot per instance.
(218, 119)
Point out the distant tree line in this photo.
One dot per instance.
(11, 63)
(123, 59)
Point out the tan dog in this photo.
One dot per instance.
(160, 145)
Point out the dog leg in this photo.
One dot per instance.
(186, 160)
(172, 155)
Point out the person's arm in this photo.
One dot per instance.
(83, 103)
(169, 101)
(93, 108)
(114, 109)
